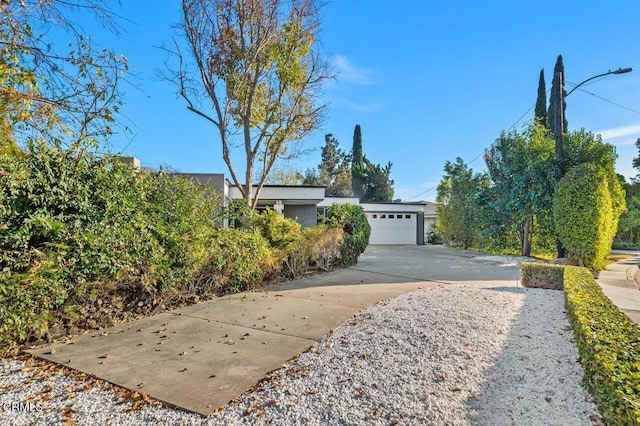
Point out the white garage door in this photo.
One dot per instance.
(393, 228)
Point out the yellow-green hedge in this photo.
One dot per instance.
(608, 344)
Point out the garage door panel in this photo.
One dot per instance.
(392, 228)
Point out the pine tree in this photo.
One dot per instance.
(555, 88)
(331, 156)
(357, 163)
(541, 102)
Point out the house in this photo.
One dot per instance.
(391, 223)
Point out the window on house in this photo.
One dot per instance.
(407, 216)
(399, 216)
(390, 216)
(383, 216)
(375, 216)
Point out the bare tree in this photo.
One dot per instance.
(256, 75)
(66, 96)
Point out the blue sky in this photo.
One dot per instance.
(427, 81)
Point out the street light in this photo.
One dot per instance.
(618, 71)
(559, 114)
(559, 125)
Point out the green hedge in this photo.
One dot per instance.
(542, 275)
(609, 346)
(608, 343)
(356, 228)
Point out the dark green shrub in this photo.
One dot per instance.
(609, 346)
(542, 275)
(356, 228)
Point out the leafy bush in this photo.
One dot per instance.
(27, 301)
(297, 249)
(94, 221)
(586, 213)
(323, 244)
(542, 275)
(237, 260)
(609, 346)
(281, 233)
(356, 228)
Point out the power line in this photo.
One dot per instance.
(479, 155)
(605, 99)
(529, 110)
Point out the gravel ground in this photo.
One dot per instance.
(449, 355)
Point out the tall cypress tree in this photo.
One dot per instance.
(555, 88)
(541, 102)
(357, 163)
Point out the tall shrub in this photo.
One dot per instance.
(356, 228)
(72, 226)
(584, 214)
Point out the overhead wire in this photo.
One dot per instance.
(527, 112)
(479, 155)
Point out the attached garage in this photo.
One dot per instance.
(393, 228)
(391, 223)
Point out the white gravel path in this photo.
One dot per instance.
(448, 355)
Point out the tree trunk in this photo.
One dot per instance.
(526, 237)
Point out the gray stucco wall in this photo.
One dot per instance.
(305, 215)
(212, 180)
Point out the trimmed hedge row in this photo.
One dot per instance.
(609, 346)
(541, 275)
(608, 343)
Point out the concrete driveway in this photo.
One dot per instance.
(200, 357)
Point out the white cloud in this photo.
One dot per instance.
(621, 136)
(364, 107)
(350, 73)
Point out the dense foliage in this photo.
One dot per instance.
(522, 185)
(629, 229)
(509, 209)
(74, 223)
(356, 228)
(542, 275)
(585, 213)
(609, 346)
(351, 173)
(457, 205)
(75, 228)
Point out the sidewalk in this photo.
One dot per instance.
(617, 282)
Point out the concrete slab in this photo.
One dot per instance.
(195, 364)
(275, 313)
(354, 295)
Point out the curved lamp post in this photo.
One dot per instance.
(559, 126)
(559, 111)
(618, 71)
